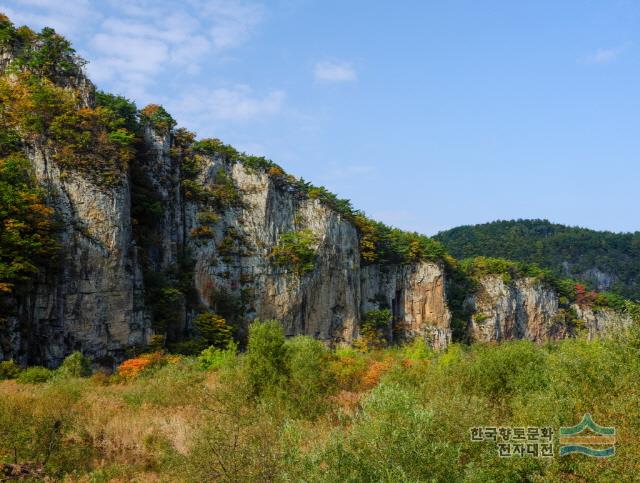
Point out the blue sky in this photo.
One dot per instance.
(427, 115)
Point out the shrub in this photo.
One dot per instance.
(309, 380)
(373, 327)
(213, 329)
(208, 217)
(176, 382)
(75, 365)
(266, 356)
(296, 250)
(223, 193)
(202, 233)
(35, 375)
(213, 358)
(34, 423)
(417, 350)
(27, 237)
(9, 370)
(213, 146)
(159, 118)
(506, 369)
(144, 364)
(391, 439)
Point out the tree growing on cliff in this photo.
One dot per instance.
(27, 237)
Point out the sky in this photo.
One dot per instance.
(426, 114)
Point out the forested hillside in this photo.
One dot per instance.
(607, 261)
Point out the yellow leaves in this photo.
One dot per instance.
(79, 137)
(27, 241)
(6, 287)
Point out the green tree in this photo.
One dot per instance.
(266, 356)
(214, 329)
(27, 235)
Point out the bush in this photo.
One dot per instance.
(144, 364)
(213, 358)
(159, 118)
(266, 357)
(27, 238)
(35, 375)
(516, 367)
(373, 328)
(213, 329)
(75, 365)
(296, 250)
(391, 439)
(309, 380)
(417, 350)
(175, 383)
(9, 370)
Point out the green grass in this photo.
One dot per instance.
(293, 410)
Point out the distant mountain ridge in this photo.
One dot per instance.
(604, 260)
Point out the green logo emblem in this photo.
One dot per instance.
(598, 442)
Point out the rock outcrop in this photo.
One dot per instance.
(326, 303)
(527, 309)
(95, 302)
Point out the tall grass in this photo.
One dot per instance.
(293, 410)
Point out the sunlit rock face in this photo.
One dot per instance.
(95, 301)
(526, 309)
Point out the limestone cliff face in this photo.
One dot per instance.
(525, 309)
(326, 303)
(97, 300)
(416, 296)
(602, 322)
(93, 301)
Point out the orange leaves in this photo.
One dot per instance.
(27, 239)
(6, 287)
(374, 373)
(132, 368)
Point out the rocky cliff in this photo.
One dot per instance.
(232, 257)
(99, 302)
(527, 309)
(156, 228)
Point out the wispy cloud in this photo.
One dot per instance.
(232, 22)
(69, 17)
(602, 55)
(334, 71)
(237, 104)
(151, 38)
(133, 44)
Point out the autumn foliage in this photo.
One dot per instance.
(132, 368)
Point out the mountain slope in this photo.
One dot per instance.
(606, 260)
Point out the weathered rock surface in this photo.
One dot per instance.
(603, 321)
(95, 302)
(526, 309)
(328, 302)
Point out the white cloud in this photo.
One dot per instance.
(139, 46)
(145, 40)
(236, 104)
(68, 17)
(601, 56)
(333, 71)
(232, 21)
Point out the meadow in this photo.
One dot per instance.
(294, 410)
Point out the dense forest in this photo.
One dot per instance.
(603, 260)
